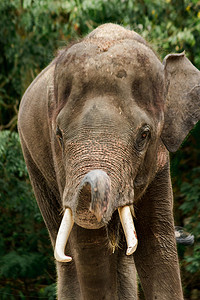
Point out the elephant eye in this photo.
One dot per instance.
(59, 136)
(142, 137)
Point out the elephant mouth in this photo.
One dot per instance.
(93, 210)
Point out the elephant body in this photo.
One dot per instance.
(96, 126)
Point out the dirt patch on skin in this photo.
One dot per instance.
(142, 59)
(122, 73)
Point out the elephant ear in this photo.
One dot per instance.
(182, 99)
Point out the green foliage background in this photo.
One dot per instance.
(30, 33)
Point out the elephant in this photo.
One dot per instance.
(96, 128)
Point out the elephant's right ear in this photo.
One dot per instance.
(182, 99)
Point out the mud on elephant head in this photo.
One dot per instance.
(96, 127)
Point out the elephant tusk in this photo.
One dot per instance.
(62, 236)
(129, 229)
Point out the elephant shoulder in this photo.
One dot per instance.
(33, 122)
(36, 96)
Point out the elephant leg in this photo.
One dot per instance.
(156, 256)
(67, 283)
(126, 277)
(50, 207)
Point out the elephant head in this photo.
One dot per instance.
(113, 111)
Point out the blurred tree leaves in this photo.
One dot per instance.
(25, 250)
(31, 32)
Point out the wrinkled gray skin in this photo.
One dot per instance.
(108, 103)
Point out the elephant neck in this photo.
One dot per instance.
(95, 263)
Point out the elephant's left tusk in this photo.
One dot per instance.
(129, 229)
(62, 237)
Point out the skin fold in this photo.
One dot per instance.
(96, 126)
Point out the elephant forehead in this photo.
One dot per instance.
(125, 68)
(108, 56)
(109, 64)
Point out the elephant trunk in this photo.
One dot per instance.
(93, 201)
(94, 192)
